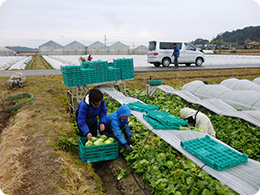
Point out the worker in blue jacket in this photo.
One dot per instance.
(118, 121)
(89, 108)
(176, 54)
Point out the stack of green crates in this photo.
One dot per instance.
(97, 72)
(71, 75)
(113, 74)
(98, 153)
(126, 66)
(100, 68)
(213, 153)
(87, 75)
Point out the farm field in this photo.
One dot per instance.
(38, 143)
(55, 61)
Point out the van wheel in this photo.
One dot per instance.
(199, 61)
(188, 64)
(156, 64)
(166, 62)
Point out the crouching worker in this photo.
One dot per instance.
(118, 121)
(89, 108)
(198, 120)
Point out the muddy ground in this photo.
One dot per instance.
(131, 185)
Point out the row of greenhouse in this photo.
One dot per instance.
(97, 48)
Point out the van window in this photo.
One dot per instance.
(152, 45)
(189, 46)
(168, 45)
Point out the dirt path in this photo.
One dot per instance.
(109, 171)
(38, 63)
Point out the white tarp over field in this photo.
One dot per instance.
(232, 97)
(244, 178)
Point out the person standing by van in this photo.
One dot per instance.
(176, 54)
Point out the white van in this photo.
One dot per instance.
(160, 52)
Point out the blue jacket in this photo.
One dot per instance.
(117, 124)
(176, 52)
(87, 114)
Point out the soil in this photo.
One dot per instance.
(4, 116)
(108, 172)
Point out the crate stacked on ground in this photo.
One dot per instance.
(126, 67)
(71, 75)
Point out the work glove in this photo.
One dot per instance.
(128, 148)
(129, 141)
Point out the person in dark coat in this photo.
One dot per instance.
(89, 108)
(176, 54)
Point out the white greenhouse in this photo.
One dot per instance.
(6, 52)
(140, 50)
(51, 48)
(118, 48)
(75, 48)
(97, 48)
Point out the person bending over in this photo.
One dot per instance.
(89, 108)
(117, 123)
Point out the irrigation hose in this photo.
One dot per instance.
(132, 171)
(16, 97)
(189, 190)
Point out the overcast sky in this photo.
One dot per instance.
(134, 22)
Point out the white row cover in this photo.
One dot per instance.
(243, 103)
(139, 60)
(244, 178)
(54, 63)
(21, 65)
(7, 61)
(244, 84)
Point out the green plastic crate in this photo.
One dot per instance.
(213, 153)
(141, 107)
(155, 82)
(87, 75)
(98, 153)
(166, 118)
(158, 125)
(126, 67)
(71, 75)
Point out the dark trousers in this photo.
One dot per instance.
(176, 61)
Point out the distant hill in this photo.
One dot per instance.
(22, 49)
(239, 36)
